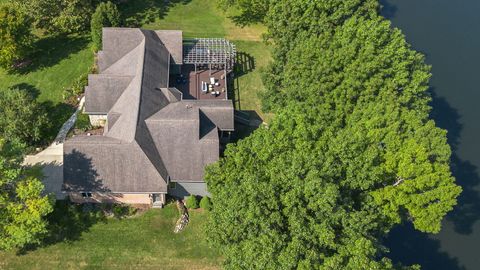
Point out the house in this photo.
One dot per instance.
(160, 128)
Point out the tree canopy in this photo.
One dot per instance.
(22, 117)
(106, 15)
(60, 16)
(350, 153)
(15, 35)
(22, 205)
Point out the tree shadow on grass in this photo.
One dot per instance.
(246, 121)
(244, 64)
(50, 50)
(57, 113)
(67, 222)
(138, 13)
(28, 88)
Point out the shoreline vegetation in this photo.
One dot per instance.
(348, 154)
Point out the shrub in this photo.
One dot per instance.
(205, 203)
(15, 35)
(21, 116)
(122, 210)
(106, 15)
(76, 88)
(83, 122)
(192, 202)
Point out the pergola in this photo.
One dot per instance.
(216, 52)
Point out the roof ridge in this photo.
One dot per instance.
(120, 105)
(106, 70)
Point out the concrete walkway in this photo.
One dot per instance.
(62, 134)
(51, 159)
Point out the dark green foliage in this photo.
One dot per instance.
(76, 89)
(106, 15)
(191, 202)
(289, 22)
(22, 204)
(68, 221)
(350, 153)
(83, 122)
(122, 210)
(205, 203)
(22, 117)
(60, 16)
(15, 35)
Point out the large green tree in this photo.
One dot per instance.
(15, 35)
(106, 15)
(22, 205)
(350, 153)
(60, 16)
(22, 117)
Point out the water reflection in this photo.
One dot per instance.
(448, 32)
(409, 247)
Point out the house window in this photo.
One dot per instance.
(86, 194)
(172, 185)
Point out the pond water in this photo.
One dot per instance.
(448, 33)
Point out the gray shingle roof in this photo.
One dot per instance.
(151, 133)
(173, 40)
(100, 163)
(103, 91)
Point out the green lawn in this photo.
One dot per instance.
(143, 242)
(146, 241)
(58, 61)
(252, 57)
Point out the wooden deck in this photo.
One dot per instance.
(191, 84)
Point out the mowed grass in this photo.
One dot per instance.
(147, 241)
(56, 63)
(196, 18)
(252, 57)
(143, 242)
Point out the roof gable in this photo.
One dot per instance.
(151, 133)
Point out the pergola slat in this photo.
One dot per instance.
(203, 51)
